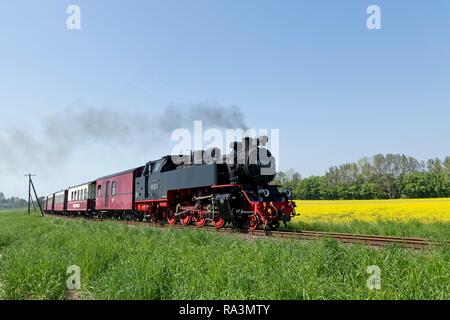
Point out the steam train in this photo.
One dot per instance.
(202, 187)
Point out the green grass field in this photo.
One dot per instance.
(118, 261)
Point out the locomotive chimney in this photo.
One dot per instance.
(238, 152)
(249, 143)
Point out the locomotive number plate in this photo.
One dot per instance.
(154, 186)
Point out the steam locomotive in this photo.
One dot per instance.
(202, 187)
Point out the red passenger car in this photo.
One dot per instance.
(115, 193)
(60, 201)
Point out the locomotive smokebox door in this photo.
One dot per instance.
(224, 206)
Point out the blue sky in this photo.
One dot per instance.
(336, 90)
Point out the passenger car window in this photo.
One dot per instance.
(113, 188)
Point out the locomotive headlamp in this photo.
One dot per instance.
(288, 193)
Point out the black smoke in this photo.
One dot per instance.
(53, 138)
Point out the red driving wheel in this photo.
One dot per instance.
(171, 217)
(218, 222)
(185, 218)
(185, 215)
(200, 221)
(252, 222)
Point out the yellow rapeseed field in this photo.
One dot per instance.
(401, 210)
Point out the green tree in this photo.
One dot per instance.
(310, 188)
(380, 177)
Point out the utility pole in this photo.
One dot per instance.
(30, 197)
(29, 190)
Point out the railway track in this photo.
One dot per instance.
(369, 240)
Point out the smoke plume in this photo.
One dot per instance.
(53, 138)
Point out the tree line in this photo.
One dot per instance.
(389, 176)
(11, 203)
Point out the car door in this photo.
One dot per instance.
(107, 195)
